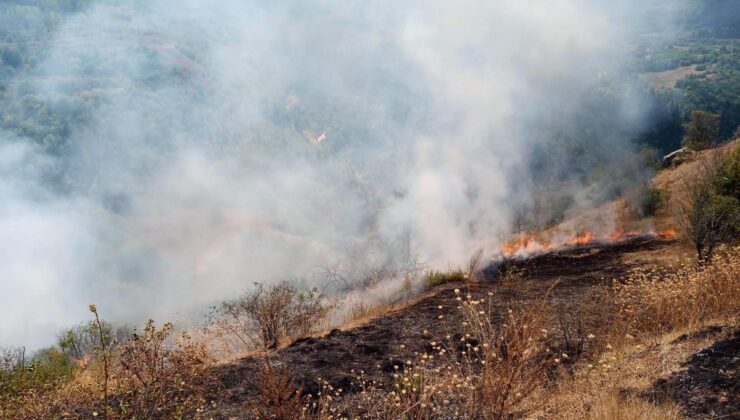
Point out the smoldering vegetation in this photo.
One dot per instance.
(159, 156)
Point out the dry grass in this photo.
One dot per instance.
(654, 301)
(672, 179)
(611, 406)
(667, 79)
(652, 307)
(359, 306)
(617, 383)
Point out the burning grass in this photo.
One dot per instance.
(527, 244)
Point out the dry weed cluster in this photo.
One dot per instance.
(654, 301)
(270, 314)
(151, 375)
(486, 368)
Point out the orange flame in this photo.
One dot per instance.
(524, 241)
(585, 238)
(667, 234)
(528, 243)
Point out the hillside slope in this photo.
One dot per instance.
(386, 345)
(676, 364)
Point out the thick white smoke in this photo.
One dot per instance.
(238, 141)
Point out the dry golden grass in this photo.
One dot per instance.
(672, 182)
(653, 307)
(654, 301)
(501, 365)
(610, 386)
(672, 179)
(611, 406)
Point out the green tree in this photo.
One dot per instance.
(730, 173)
(707, 216)
(702, 130)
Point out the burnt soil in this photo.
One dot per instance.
(383, 343)
(708, 386)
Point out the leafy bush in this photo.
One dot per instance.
(707, 216)
(78, 342)
(649, 201)
(711, 219)
(269, 314)
(18, 375)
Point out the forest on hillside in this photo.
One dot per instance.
(708, 47)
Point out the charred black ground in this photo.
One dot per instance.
(708, 386)
(376, 347)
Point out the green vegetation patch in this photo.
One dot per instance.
(435, 278)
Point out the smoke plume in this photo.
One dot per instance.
(229, 142)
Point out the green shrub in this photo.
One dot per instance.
(708, 217)
(730, 174)
(435, 278)
(79, 341)
(649, 201)
(47, 368)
